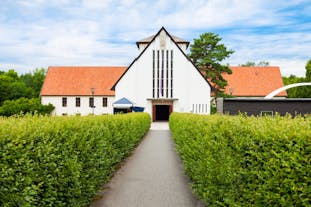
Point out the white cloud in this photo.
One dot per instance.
(291, 67)
(290, 51)
(103, 32)
(214, 13)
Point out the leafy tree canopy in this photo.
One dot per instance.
(303, 91)
(207, 53)
(308, 71)
(34, 80)
(13, 86)
(261, 63)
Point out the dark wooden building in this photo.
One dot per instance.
(259, 107)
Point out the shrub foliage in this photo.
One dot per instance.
(246, 161)
(61, 161)
(24, 106)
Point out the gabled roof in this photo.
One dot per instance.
(254, 81)
(150, 38)
(123, 101)
(171, 37)
(78, 81)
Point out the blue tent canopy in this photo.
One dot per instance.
(122, 103)
(138, 109)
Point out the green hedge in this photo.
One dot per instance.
(62, 161)
(246, 161)
(24, 106)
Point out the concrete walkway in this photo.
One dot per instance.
(152, 176)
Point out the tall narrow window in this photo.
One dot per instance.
(167, 68)
(153, 74)
(64, 101)
(91, 102)
(105, 102)
(78, 102)
(162, 73)
(171, 73)
(158, 72)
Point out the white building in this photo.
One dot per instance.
(161, 80)
(69, 89)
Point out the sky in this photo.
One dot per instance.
(42, 33)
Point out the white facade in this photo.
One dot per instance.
(184, 88)
(161, 80)
(83, 109)
(142, 46)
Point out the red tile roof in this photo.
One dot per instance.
(78, 81)
(254, 81)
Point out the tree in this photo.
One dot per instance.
(303, 91)
(207, 53)
(297, 92)
(248, 64)
(18, 89)
(12, 73)
(253, 64)
(34, 80)
(13, 86)
(19, 94)
(5, 85)
(263, 63)
(308, 71)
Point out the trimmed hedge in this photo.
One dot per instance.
(246, 161)
(25, 106)
(62, 161)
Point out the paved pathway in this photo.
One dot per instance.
(152, 176)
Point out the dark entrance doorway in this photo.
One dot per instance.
(162, 112)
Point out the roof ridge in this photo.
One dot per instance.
(84, 66)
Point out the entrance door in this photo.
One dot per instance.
(162, 112)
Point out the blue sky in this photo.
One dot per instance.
(41, 33)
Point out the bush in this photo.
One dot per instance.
(246, 161)
(24, 106)
(61, 161)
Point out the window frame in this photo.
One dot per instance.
(266, 113)
(78, 103)
(105, 102)
(91, 102)
(64, 102)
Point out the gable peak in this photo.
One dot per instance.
(141, 44)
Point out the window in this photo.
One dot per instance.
(91, 102)
(171, 73)
(158, 72)
(162, 74)
(266, 113)
(153, 74)
(105, 102)
(78, 102)
(64, 100)
(167, 68)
